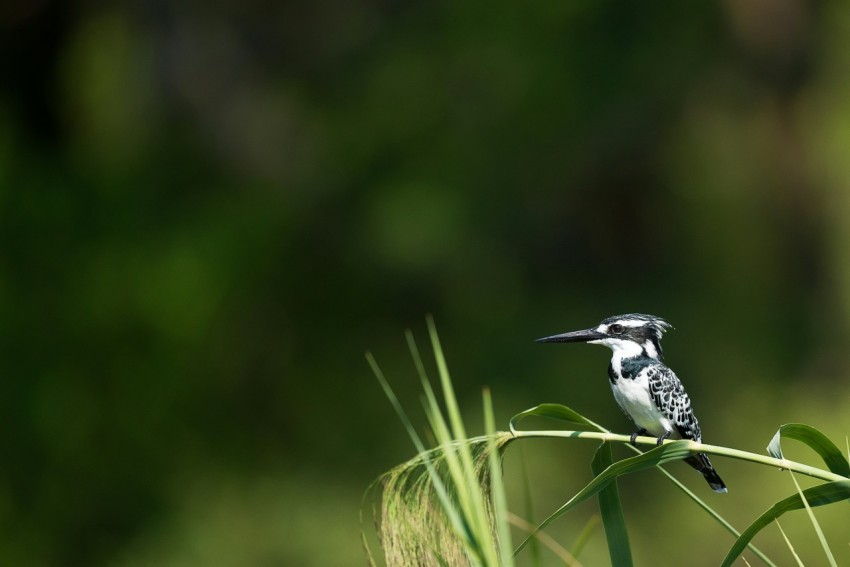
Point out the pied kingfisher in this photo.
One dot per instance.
(647, 391)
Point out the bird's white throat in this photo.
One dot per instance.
(620, 349)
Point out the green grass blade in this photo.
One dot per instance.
(465, 478)
(451, 452)
(815, 496)
(662, 454)
(534, 548)
(819, 442)
(815, 523)
(546, 540)
(454, 415)
(788, 542)
(417, 358)
(452, 408)
(584, 535)
(439, 487)
(440, 429)
(612, 510)
(497, 487)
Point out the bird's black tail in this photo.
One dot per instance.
(701, 463)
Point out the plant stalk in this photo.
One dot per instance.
(695, 447)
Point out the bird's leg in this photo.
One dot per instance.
(641, 431)
(663, 437)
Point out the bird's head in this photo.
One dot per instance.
(626, 335)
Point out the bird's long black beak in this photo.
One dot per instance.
(574, 337)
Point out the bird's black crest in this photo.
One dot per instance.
(657, 323)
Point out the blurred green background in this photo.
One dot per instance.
(210, 211)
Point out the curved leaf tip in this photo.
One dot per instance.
(554, 411)
(816, 440)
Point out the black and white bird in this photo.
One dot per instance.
(647, 391)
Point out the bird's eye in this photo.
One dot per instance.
(616, 329)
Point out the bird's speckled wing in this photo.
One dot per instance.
(671, 399)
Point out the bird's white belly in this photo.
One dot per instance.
(634, 398)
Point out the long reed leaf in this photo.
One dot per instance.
(788, 543)
(815, 523)
(612, 510)
(815, 496)
(546, 540)
(458, 431)
(584, 535)
(534, 549)
(497, 487)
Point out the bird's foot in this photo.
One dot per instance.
(634, 436)
(663, 437)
